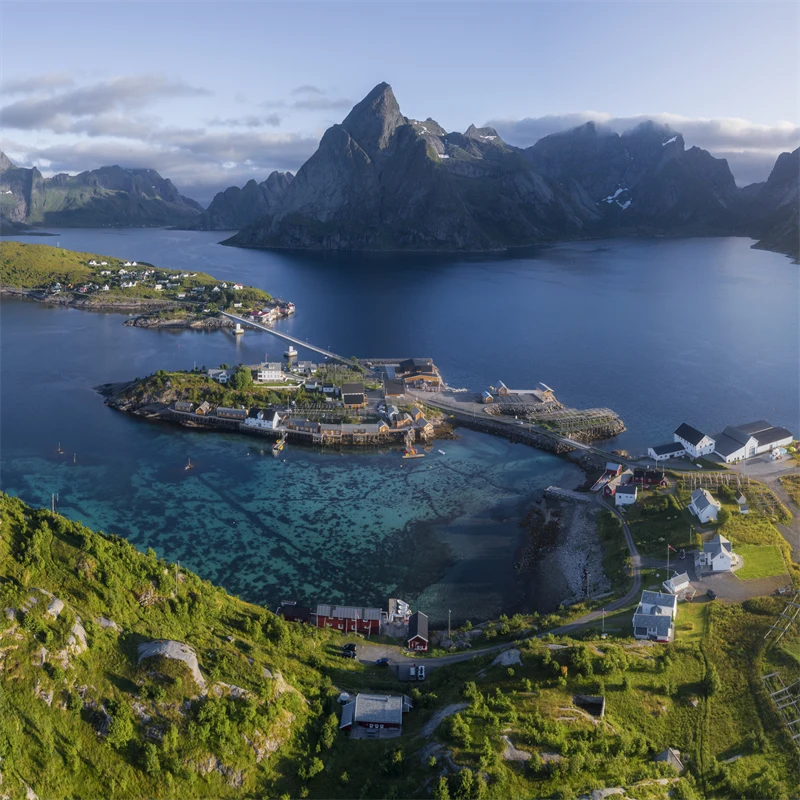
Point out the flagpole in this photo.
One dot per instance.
(667, 559)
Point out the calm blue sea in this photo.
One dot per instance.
(662, 331)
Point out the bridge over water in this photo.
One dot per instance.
(292, 339)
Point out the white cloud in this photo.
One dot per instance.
(751, 149)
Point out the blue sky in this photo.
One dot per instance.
(211, 94)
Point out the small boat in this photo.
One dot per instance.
(411, 452)
(59, 450)
(189, 464)
(74, 458)
(442, 452)
(279, 445)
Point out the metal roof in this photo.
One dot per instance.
(658, 599)
(661, 622)
(378, 708)
(717, 545)
(418, 626)
(689, 434)
(348, 612)
(664, 449)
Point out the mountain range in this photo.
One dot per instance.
(236, 208)
(109, 196)
(382, 181)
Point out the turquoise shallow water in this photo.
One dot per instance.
(663, 331)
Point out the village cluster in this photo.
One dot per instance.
(388, 423)
(369, 715)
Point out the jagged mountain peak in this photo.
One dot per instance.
(372, 121)
(6, 162)
(485, 134)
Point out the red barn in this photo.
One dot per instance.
(418, 632)
(349, 618)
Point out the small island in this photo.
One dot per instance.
(165, 298)
(299, 401)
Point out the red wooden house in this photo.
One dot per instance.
(349, 618)
(646, 477)
(418, 632)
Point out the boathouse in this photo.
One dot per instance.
(184, 406)
(418, 632)
(648, 477)
(232, 413)
(204, 409)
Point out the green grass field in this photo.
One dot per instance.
(658, 520)
(792, 485)
(760, 561)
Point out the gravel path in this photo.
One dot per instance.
(433, 723)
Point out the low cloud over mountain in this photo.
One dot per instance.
(750, 149)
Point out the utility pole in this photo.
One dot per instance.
(604, 621)
(448, 623)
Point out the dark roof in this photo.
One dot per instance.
(726, 445)
(689, 434)
(752, 428)
(418, 626)
(298, 612)
(671, 447)
(649, 474)
(737, 434)
(353, 388)
(393, 386)
(661, 622)
(412, 364)
(628, 488)
(353, 399)
(771, 435)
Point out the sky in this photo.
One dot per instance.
(212, 94)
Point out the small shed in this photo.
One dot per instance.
(203, 409)
(672, 757)
(487, 398)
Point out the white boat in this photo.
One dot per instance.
(442, 452)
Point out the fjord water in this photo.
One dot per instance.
(662, 331)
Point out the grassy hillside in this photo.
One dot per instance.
(39, 266)
(88, 722)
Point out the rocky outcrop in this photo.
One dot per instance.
(108, 196)
(236, 208)
(166, 648)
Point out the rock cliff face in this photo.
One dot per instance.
(772, 209)
(236, 208)
(385, 182)
(107, 196)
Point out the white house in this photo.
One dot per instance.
(264, 420)
(237, 287)
(271, 372)
(93, 263)
(220, 375)
(704, 506)
(750, 439)
(717, 554)
(694, 442)
(662, 452)
(106, 287)
(654, 615)
(158, 287)
(677, 584)
(626, 495)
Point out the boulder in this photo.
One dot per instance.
(166, 648)
(507, 658)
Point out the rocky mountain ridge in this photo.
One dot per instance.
(382, 181)
(235, 208)
(108, 196)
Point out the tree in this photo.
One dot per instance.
(442, 790)
(459, 730)
(242, 378)
(152, 765)
(121, 729)
(329, 730)
(711, 681)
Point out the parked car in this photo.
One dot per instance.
(420, 673)
(712, 594)
(382, 662)
(348, 654)
(350, 646)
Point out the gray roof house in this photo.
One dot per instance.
(654, 615)
(704, 506)
(375, 715)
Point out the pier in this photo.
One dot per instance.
(292, 339)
